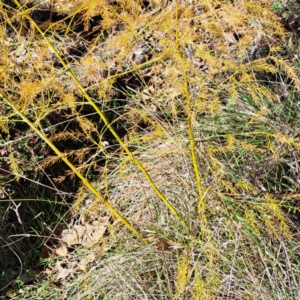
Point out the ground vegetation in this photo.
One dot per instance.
(149, 149)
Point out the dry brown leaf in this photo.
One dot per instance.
(48, 271)
(230, 38)
(11, 293)
(94, 233)
(62, 274)
(163, 245)
(88, 260)
(87, 235)
(62, 251)
(3, 150)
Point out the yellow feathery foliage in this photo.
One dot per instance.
(63, 136)
(199, 290)
(79, 199)
(276, 216)
(271, 226)
(88, 127)
(287, 67)
(228, 186)
(183, 273)
(175, 110)
(246, 187)
(14, 166)
(290, 142)
(251, 221)
(49, 161)
(4, 126)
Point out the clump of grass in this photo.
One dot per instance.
(180, 119)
